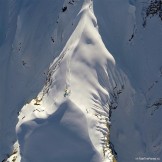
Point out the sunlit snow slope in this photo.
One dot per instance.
(80, 81)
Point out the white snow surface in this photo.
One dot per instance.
(74, 87)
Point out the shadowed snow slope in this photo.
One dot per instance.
(76, 101)
(26, 51)
(56, 138)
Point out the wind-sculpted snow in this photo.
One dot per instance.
(84, 79)
(86, 75)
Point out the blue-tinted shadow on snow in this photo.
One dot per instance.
(62, 137)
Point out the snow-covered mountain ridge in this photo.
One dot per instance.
(83, 78)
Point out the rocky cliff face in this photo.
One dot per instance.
(80, 80)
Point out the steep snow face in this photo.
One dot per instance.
(91, 103)
(69, 119)
(135, 46)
